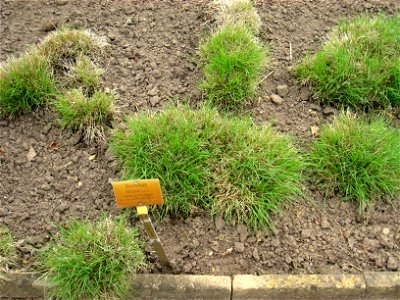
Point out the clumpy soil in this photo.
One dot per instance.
(49, 175)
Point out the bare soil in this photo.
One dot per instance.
(152, 59)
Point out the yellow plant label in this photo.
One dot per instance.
(138, 192)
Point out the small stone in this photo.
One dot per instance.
(315, 131)
(306, 233)
(48, 25)
(31, 154)
(187, 267)
(46, 187)
(277, 75)
(49, 178)
(239, 247)
(155, 100)
(219, 223)
(242, 230)
(379, 262)
(276, 99)
(195, 243)
(305, 94)
(33, 240)
(129, 21)
(62, 207)
(3, 123)
(2, 211)
(385, 231)
(256, 256)
(324, 223)
(152, 92)
(328, 111)
(391, 264)
(112, 36)
(61, 2)
(77, 24)
(288, 259)
(315, 107)
(282, 90)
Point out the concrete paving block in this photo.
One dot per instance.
(185, 287)
(287, 287)
(19, 285)
(382, 285)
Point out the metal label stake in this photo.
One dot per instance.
(139, 193)
(154, 239)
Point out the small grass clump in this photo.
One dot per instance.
(226, 166)
(66, 45)
(233, 59)
(92, 114)
(238, 12)
(92, 260)
(359, 66)
(7, 249)
(86, 74)
(359, 158)
(25, 83)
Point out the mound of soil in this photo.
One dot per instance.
(49, 175)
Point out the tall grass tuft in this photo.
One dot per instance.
(359, 66)
(92, 260)
(25, 83)
(227, 166)
(359, 158)
(232, 62)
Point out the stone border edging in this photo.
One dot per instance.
(368, 285)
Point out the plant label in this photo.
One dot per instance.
(138, 192)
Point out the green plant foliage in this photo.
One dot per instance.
(226, 166)
(232, 62)
(359, 66)
(92, 114)
(359, 158)
(25, 83)
(7, 249)
(92, 260)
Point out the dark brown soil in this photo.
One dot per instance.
(151, 60)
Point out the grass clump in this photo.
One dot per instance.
(226, 166)
(89, 114)
(25, 83)
(359, 66)
(92, 260)
(72, 55)
(8, 253)
(238, 12)
(66, 45)
(233, 59)
(359, 158)
(85, 73)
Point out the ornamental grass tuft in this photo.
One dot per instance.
(359, 66)
(359, 158)
(226, 166)
(232, 61)
(92, 260)
(25, 84)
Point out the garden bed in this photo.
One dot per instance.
(151, 60)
